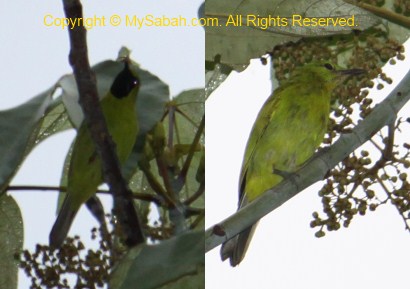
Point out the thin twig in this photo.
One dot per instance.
(196, 195)
(383, 13)
(138, 196)
(192, 149)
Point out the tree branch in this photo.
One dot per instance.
(158, 200)
(314, 170)
(93, 117)
(383, 13)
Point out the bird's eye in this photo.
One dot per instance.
(329, 66)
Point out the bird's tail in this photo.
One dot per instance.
(62, 224)
(235, 248)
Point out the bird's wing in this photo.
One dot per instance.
(85, 173)
(262, 121)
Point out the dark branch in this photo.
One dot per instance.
(93, 117)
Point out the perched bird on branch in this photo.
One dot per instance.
(85, 171)
(289, 128)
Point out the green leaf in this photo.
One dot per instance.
(11, 241)
(215, 74)
(236, 45)
(191, 102)
(55, 120)
(152, 98)
(170, 264)
(194, 281)
(18, 128)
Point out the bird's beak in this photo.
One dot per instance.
(353, 71)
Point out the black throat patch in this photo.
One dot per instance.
(124, 82)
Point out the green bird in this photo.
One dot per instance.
(289, 128)
(85, 170)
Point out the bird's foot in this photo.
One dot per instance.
(283, 174)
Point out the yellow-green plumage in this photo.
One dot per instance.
(85, 171)
(289, 128)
